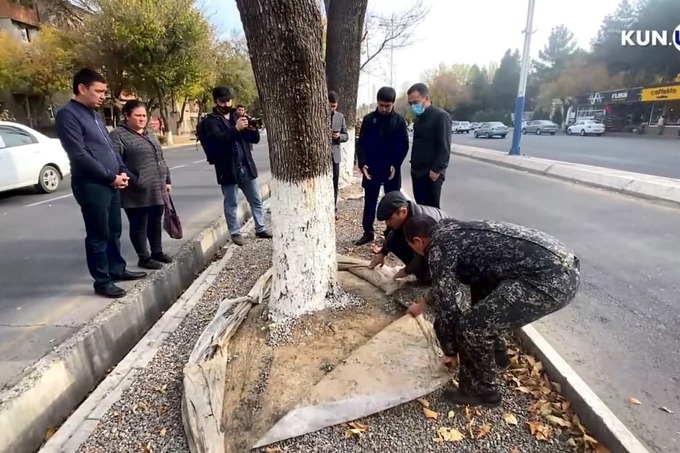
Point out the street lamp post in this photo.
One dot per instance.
(524, 72)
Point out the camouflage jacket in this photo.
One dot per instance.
(483, 253)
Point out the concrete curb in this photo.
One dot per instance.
(61, 380)
(634, 184)
(596, 416)
(594, 413)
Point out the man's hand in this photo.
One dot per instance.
(241, 123)
(378, 260)
(168, 188)
(449, 362)
(401, 273)
(120, 182)
(336, 135)
(434, 175)
(392, 173)
(416, 308)
(364, 170)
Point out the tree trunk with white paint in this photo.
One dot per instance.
(285, 44)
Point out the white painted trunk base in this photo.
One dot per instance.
(304, 252)
(347, 162)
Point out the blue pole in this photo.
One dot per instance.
(523, 74)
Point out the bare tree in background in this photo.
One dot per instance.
(67, 13)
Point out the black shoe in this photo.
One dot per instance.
(128, 276)
(365, 239)
(238, 240)
(502, 358)
(161, 257)
(111, 291)
(264, 234)
(149, 263)
(459, 397)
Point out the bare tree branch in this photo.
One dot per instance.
(395, 31)
(68, 13)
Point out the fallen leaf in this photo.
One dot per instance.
(163, 432)
(510, 419)
(558, 421)
(430, 413)
(424, 402)
(483, 430)
(558, 387)
(524, 389)
(546, 409)
(515, 450)
(634, 401)
(51, 431)
(272, 450)
(452, 414)
(467, 411)
(589, 440)
(146, 448)
(353, 432)
(572, 442)
(665, 409)
(358, 425)
(450, 434)
(599, 448)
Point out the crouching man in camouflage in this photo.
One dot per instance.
(523, 275)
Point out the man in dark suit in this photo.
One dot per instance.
(381, 149)
(338, 136)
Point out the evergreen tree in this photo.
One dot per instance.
(503, 90)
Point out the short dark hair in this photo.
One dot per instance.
(222, 92)
(87, 77)
(240, 106)
(131, 105)
(387, 94)
(333, 96)
(420, 88)
(421, 226)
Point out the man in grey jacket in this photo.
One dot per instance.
(338, 136)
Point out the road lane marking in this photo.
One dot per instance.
(49, 200)
(199, 161)
(177, 166)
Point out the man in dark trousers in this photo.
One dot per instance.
(338, 136)
(97, 177)
(394, 209)
(524, 275)
(228, 140)
(381, 149)
(431, 146)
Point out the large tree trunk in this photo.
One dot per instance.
(343, 63)
(284, 41)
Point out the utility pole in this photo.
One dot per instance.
(524, 72)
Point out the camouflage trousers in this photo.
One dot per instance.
(509, 305)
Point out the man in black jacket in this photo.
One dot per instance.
(431, 146)
(97, 176)
(381, 149)
(228, 142)
(395, 209)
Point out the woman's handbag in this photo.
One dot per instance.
(171, 222)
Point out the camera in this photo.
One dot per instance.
(253, 122)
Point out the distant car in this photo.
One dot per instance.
(539, 127)
(29, 158)
(460, 127)
(474, 126)
(492, 129)
(586, 127)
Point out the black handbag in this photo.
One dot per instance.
(171, 223)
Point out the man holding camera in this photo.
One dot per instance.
(227, 140)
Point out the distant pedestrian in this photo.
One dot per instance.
(144, 199)
(381, 150)
(431, 149)
(661, 124)
(97, 177)
(228, 140)
(338, 136)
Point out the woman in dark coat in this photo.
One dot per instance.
(144, 198)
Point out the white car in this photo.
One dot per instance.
(460, 127)
(586, 127)
(29, 158)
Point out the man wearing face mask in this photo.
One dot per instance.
(228, 140)
(431, 149)
(381, 149)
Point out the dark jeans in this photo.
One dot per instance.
(336, 182)
(146, 224)
(371, 194)
(100, 206)
(426, 191)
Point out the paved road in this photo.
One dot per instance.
(621, 333)
(640, 154)
(45, 289)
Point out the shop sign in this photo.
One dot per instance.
(667, 93)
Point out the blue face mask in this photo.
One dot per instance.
(418, 109)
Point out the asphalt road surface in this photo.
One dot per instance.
(621, 333)
(636, 153)
(45, 289)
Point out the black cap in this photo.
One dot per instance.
(222, 93)
(390, 203)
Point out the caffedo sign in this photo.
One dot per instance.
(667, 93)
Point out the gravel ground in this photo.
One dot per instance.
(147, 417)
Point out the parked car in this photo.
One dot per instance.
(29, 158)
(586, 127)
(539, 127)
(460, 127)
(492, 129)
(474, 126)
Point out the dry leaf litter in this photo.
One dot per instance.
(533, 417)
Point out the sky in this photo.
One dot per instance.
(455, 31)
